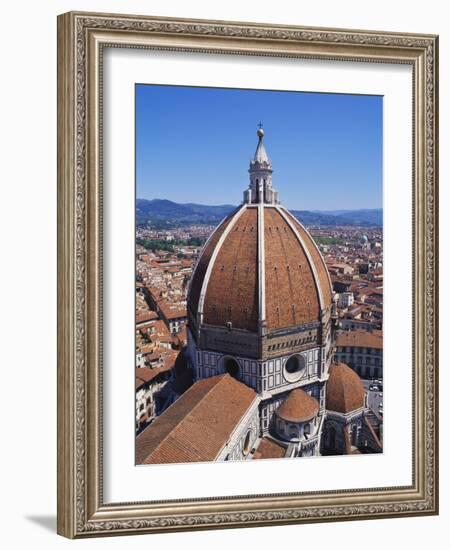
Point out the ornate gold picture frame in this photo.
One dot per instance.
(82, 39)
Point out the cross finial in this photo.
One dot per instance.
(260, 131)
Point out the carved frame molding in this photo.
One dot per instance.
(81, 39)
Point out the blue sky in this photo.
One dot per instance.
(195, 144)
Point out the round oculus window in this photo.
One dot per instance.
(294, 367)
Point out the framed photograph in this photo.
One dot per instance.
(247, 284)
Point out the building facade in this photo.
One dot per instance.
(362, 351)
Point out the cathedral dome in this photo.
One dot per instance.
(260, 270)
(298, 407)
(260, 267)
(345, 390)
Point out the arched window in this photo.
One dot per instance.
(354, 435)
(247, 443)
(307, 430)
(231, 366)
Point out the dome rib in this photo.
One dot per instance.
(203, 262)
(210, 261)
(316, 257)
(291, 293)
(259, 268)
(231, 289)
(308, 255)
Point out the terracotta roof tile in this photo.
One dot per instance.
(345, 390)
(298, 407)
(291, 294)
(269, 449)
(197, 426)
(203, 261)
(145, 374)
(360, 339)
(232, 293)
(172, 310)
(145, 316)
(291, 288)
(318, 260)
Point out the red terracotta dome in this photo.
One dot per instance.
(298, 407)
(345, 390)
(260, 269)
(260, 264)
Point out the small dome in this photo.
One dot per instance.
(345, 390)
(260, 132)
(298, 407)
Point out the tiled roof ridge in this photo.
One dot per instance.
(313, 243)
(215, 253)
(199, 269)
(225, 278)
(303, 246)
(237, 425)
(219, 379)
(288, 218)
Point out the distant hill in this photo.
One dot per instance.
(161, 211)
(367, 217)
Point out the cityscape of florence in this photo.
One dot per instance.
(258, 325)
